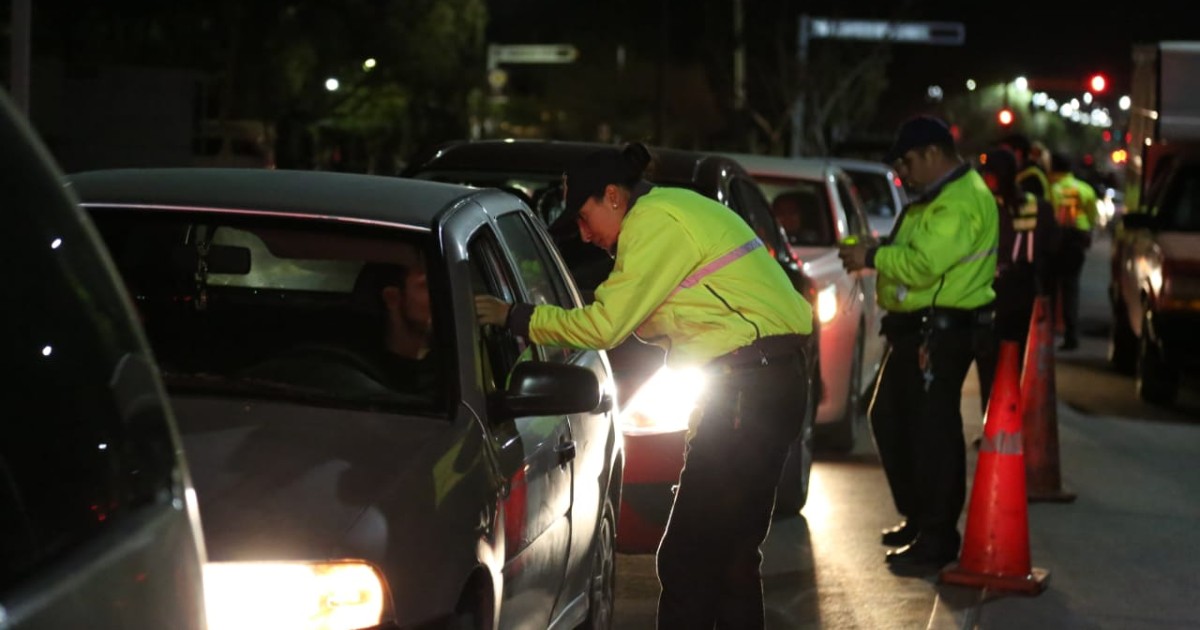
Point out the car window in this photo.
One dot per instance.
(856, 224)
(1180, 208)
(501, 350)
(544, 284)
(801, 207)
(302, 310)
(875, 193)
(84, 442)
(753, 206)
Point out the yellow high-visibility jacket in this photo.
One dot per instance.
(944, 252)
(1074, 203)
(668, 235)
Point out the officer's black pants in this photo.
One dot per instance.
(919, 434)
(1014, 312)
(708, 560)
(1071, 256)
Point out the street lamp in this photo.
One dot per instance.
(1021, 84)
(970, 85)
(369, 64)
(332, 84)
(1124, 103)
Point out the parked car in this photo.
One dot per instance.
(880, 190)
(1155, 276)
(655, 401)
(347, 479)
(815, 203)
(99, 526)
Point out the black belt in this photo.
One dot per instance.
(897, 324)
(762, 352)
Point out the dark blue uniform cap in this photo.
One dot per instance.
(921, 131)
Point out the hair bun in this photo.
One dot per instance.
(638, 157)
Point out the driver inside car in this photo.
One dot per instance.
(404, 352)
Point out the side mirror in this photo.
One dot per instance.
(1138, 221)
(537, 388)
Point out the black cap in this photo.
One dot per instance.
(587, 178)
(921, 131)
(1002, 162)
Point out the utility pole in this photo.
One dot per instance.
(22, 17)
(797, 148)
(739, 77)
(664, 49)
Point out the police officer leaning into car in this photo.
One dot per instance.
(691, 276)
(935, 281)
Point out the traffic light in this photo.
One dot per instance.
(1098, 83)
(1005, 117)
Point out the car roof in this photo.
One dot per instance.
(806, 168)
(862, 165)
(673, 166)
(310, 193)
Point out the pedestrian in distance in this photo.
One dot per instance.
(935, 281)
(1077, 215)
(691, 276)
(1024, 261)
(1032, 162)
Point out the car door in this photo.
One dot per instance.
(859, 227)
(98, 523)
(534, 455)
(544, 280)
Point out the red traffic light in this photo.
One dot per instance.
(1098, 83)
(1005, 116)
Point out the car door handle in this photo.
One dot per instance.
(566, 452)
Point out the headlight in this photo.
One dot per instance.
(665, 402)
(308, 596)
(827, 304)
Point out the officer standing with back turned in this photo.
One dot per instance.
(935, 281)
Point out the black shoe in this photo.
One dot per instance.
(902, 534)
(1069, 344)
(925, 552)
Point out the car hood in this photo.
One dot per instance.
(1180, 246)
(283, 481)
(819, 263)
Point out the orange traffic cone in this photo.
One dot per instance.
(995, 552)
(1043, 478)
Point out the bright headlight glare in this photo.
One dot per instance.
(665, 402)
(827, 304)
(308, 596)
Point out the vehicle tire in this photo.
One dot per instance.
(838, 437)
(1157, 380)
(792, 492)
(1122, 343)
(602, 587)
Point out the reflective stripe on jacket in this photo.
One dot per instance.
(944, 252)
(669, 234)
(1037, 174)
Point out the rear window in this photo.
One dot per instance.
(303, 310)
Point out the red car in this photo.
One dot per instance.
(655, 401)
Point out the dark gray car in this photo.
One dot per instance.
(98, 521)
(473, 483)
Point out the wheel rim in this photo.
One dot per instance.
(603, 577)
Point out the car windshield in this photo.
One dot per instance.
(1180, 209)
(801, 206)
(301, 310)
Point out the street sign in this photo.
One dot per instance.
(531, 53)
(936, 33)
